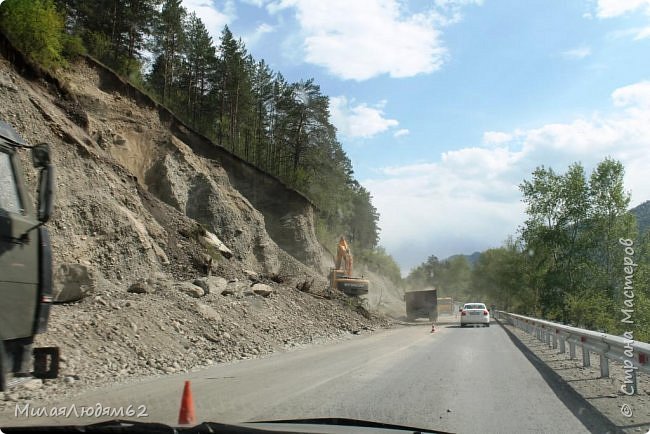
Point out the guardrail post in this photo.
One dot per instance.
(562, 346)
(586, 361)
(604, 366)
(555, 340)
(572, 350)
(548, 338)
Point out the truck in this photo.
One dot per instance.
(421, 304)
(25, 262)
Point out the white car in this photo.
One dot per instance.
(474, 313)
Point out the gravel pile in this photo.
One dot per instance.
(164, 329)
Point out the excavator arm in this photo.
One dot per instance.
(344, 257)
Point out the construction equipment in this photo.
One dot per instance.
(421, 304)
(25, 263)
(341, 275)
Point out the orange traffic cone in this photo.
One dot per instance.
(186, 415)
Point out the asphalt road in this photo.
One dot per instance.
(469, 380)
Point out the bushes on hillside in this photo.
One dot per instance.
(36, 28)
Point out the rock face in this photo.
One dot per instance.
(72, 282)
(130, 198)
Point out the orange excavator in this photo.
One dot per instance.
(341, 276)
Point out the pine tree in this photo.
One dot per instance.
(168, 46)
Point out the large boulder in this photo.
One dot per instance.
(72, 282)
(262, 289)
(211, 241)
(141, 286)
(208, 313)
(211, 284)
(150, 285)
(190, 289)
(236, 288)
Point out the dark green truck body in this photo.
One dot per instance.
(25, 257)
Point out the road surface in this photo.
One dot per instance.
(467, 380)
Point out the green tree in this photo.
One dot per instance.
(200, 61)
(609, 221)
(234, 90)
(499, 276)
(169, 33)
(571, 237)
(36, 28)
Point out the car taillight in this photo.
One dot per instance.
(463, 313)
(485, 312)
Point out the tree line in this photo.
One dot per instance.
(217, 87)
(568, 262)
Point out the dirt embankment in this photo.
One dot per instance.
(144, 208)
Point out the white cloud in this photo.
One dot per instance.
(260, 31)
(469, 199)
(362, 39)
(617, 8)
(637, 94)
(496, 137)
(359, 120)
(213, 17)
(577, 53)
(401, 132)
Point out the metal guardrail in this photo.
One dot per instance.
(634, 355)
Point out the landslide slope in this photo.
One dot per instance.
(137, 192)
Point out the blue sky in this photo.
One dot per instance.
(445, 106)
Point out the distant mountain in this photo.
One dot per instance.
(472, 259)
(642, 213)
